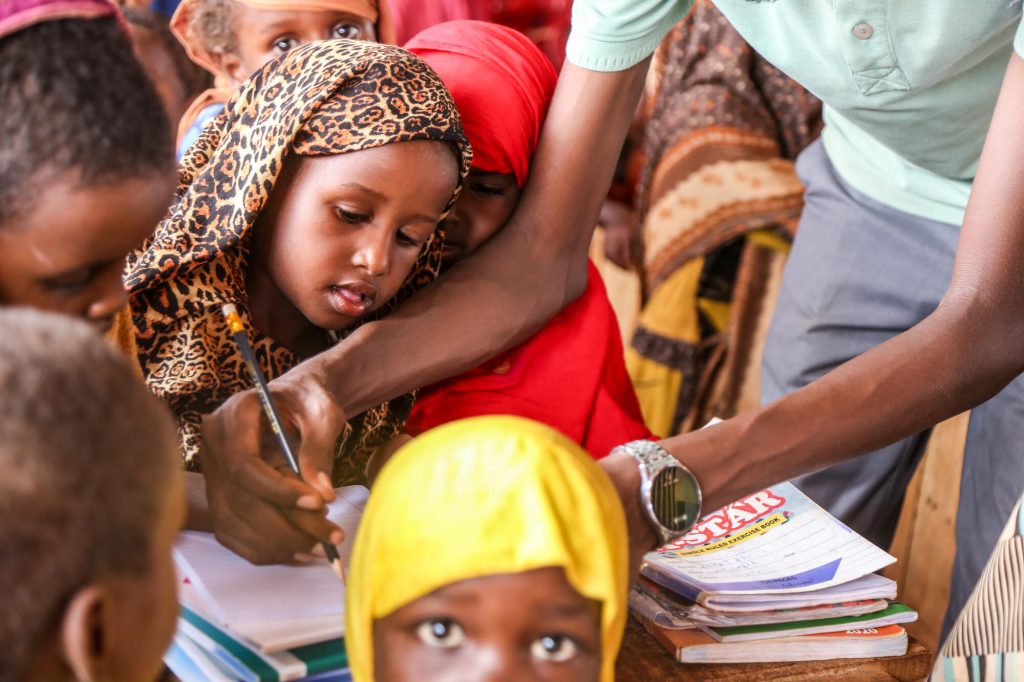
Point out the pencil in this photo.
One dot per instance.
(238, 334)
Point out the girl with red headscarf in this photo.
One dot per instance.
(571, 375)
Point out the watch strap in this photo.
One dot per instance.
(669, 492)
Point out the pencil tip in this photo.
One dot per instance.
(339, 569)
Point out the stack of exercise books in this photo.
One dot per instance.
(248, 623)
(771, 578)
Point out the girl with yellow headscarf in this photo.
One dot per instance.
(492, 544)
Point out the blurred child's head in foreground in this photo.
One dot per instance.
(91, 500)
(86, 159)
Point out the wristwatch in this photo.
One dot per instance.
(669, 492)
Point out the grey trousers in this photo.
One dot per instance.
(860, 273)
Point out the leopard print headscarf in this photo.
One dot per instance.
(321, 99)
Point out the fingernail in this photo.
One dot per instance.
(303, 558)
(325, 481)
(310, 502)
(337, 537)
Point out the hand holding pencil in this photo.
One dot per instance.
(273, 417)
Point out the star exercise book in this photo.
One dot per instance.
(771, 566)
(255, 623)
(769, 545)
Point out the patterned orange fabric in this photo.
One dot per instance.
(321, 99)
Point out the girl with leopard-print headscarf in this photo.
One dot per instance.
(311, 203)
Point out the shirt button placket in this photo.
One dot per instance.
(867, 46)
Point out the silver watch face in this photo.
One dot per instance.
(674, 499)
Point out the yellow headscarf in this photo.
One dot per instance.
(479, 497)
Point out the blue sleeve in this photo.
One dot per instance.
(192, 134)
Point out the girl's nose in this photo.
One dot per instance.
(374, 252)
(501, 664)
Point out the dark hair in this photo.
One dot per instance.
(74, 98)
(86, 453)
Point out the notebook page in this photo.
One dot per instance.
(266, 636)
(235, 591)
(774, 541)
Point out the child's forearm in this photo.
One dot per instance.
(383, 454)
(518, 280)
(198, 512)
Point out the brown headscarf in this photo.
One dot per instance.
(716, 103)
(321, 99)
(723, 129)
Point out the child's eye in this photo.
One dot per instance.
(351, 217)
(284, 44)
(441, 632)
(409, 239)
(347, 30)
(71, 283)
(487, 190)
(554, 648)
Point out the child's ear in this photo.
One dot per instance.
(86, 634)
(231, 66)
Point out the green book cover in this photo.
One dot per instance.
(894, 614)
(317, 658)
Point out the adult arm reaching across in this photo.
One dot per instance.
(959, 356)
(488, 303)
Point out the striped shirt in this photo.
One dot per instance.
(987, 642)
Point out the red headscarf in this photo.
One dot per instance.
(572, 374)
(501, 83)
(413, 16)
(16, 15)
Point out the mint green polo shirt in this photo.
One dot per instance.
(909, 86)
